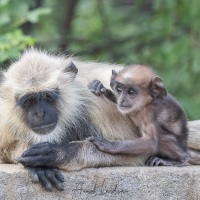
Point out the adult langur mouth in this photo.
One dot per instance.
(45, 129)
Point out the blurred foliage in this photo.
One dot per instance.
(13, 14)
(164, 34)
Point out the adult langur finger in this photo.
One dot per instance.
(44, 181)
(50, 175)
(37, 151)
(34, 161)
(39, 145)
(59, 175)
(32, 174)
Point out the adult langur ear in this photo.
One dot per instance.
(114, 74)
(71, 68)
(157, 89)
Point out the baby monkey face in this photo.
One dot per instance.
(128, 97)
(135, 87)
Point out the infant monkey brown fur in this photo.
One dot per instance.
(160, 120)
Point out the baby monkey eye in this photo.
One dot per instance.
(131, 91)
(118, 89)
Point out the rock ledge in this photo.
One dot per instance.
(134, 183)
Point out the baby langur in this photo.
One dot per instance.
(160, 120)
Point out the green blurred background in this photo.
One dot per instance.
(164, 34)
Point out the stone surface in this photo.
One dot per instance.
(134, 183)
(114, 183)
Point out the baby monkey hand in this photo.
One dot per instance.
(97, 87)
(104, 145)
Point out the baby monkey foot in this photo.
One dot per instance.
(156, 161)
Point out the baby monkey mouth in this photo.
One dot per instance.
(124, 108)
(44, 129)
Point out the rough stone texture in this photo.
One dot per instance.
(139, 183)
(116, 183)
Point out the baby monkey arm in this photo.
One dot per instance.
(97, 88)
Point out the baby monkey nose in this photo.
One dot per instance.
(122, 101)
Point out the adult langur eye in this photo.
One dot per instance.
(131, 91)
(49, 98)
(118, 89)
(27, 103)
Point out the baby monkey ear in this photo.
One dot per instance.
(114, 74)
(71, 68)
(157, 89)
